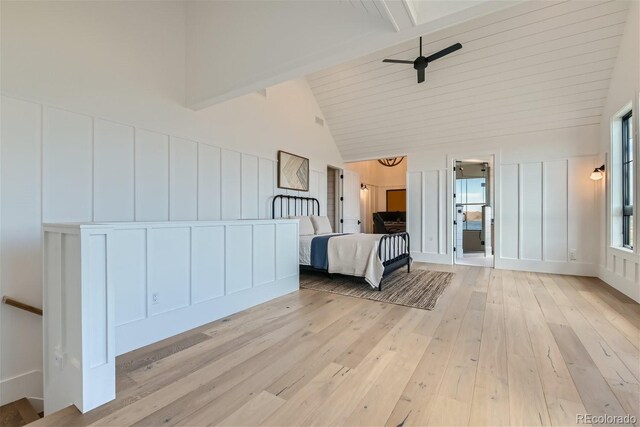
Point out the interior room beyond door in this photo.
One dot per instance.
(473, 218)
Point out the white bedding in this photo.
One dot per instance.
(305, 248)
(352, 254)
(356, 255)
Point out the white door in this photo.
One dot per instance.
(486, 230)
(350, 202)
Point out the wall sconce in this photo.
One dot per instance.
(597, 174)
(363, 187)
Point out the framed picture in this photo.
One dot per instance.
(293, 171)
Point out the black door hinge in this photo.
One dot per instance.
(341, 176)
(455, 222)
(342, 221)
(341, 198)
(454, 249)
(482, 242)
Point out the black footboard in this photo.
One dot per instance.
(394, 252)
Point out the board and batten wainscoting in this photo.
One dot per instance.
(544, 215)
(110, 288)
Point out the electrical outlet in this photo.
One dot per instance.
(573, 255)
(155, 298)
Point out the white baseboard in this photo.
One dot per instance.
(36, 403)
(431, 258)
(28, 385)
(553, 267)
(627, 287)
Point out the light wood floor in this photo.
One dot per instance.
(500, 348)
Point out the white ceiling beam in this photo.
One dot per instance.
(235, 48)
(398, 13)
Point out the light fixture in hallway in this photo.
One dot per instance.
(391, 162)
(597, 174)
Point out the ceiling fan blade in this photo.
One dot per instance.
(397, 61)
(444, 52)
(421, 75)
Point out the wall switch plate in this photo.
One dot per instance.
(155, 299)
(573, 255)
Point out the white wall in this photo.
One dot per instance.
(620, 267)
(544, 205)
(273, 41)
(95, 130)
(139, 283)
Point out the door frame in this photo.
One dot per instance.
(494, 159)
(337, 190)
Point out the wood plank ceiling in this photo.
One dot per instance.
(536, 66)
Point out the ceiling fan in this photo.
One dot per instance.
(421, 62)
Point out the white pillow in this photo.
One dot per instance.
(305, 227)
(321, 224)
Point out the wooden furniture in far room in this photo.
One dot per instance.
(389, 222)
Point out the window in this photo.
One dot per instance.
(471, 193)
(627, 181)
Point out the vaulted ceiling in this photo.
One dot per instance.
(535, 66)
(237, 47)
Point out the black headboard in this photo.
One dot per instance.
(294, 206)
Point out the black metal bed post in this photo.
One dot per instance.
(310, 204)
(409, 252)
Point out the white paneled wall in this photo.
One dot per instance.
(555, 211)
(509, 218)
(530, 211)
(183, 178)
(537, 230)
(113, 172)
(545, 212)
(230, 166)
(62, 166)
(427, 215)
(114, 287)
(209, 183)
(151, 176)
(67, 153)
(130, 284)
(249, 189)
(98, 170)
(266, 176)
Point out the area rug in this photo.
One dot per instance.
(419, 289)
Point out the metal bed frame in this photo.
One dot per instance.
(393, 249)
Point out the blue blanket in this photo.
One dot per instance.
(319, 251)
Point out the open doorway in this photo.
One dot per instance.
(473, 212)
(333, 195)
(383, 194)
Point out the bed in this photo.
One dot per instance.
(371, 256)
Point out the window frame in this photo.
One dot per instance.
(627, 173)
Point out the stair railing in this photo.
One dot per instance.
(22, 306)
